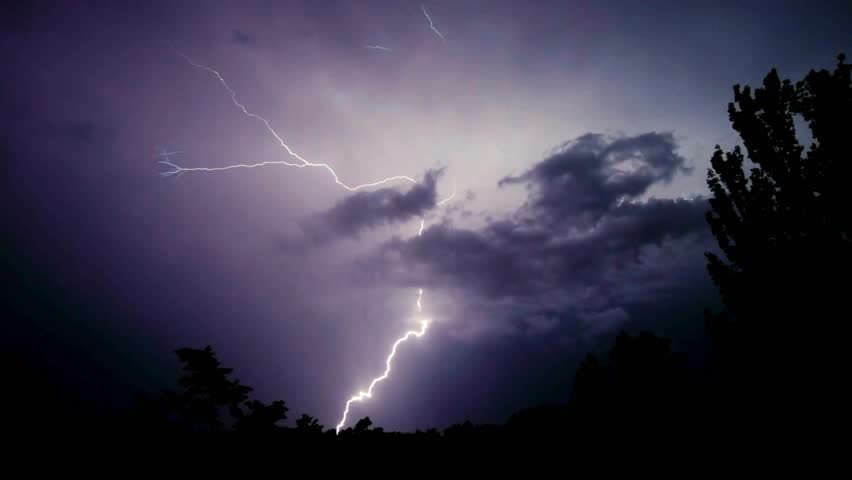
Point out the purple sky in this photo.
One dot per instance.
(577, 135)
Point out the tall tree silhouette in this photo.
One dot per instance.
(207, 391)
(784, 230)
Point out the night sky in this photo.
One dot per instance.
(576, 135)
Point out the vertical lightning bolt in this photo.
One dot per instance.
(363, 395)
(431, 25)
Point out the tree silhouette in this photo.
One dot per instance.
(261, 418)
(644, 385)
(784, 231)
(207, 391)
(363, 425)
(308, 425)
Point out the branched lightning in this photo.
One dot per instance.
(431, 25)
(166, 157)
(176, 169)
(377, 47)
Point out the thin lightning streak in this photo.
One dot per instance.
(304, 163)
(431, 25)
(452, 196)
(422, 224)
(377, 47)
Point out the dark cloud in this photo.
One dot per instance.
(582, 245)
(593, 173)
(242, 38)
(370, 209)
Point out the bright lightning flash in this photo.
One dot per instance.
(362, 395)
(377, 47)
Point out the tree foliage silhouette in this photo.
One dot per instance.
(308, 425)
(789, 216)
(784, 230)
(644, 383)
(207, 391)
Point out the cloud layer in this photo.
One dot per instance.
(370, 209)
(583, 245)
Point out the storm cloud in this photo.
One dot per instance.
(370, 209)
(588, 176)
(583, 243)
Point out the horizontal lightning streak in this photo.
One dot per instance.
(377, 47)
(176, 169)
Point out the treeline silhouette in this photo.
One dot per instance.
(779, 212)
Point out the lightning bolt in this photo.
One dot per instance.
(431, 25)
(302, 163)
(377, 47)
(369, 392)
(176, 170)
(362, 395)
